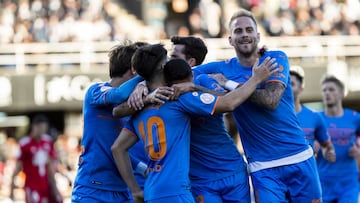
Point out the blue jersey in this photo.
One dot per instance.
(96, 167)
(270, 137)
(313, 125)
(165, 131)
(213, 152)
(343, 131)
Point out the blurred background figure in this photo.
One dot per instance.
(310, 121)
(339, 180)
(37, 160)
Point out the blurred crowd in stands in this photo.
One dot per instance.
(23, 21)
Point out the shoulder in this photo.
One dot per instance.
(24, 141)
(351, 112)
(46, 138)
(98, 89)
(276, 53)
(310, 110)
(197, 97)
(99, 86)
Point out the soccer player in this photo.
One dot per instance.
(165, 128)
(37, 160)
(339, 180)
(275, 145)
(218, 172)
(310, 121)
(97, 179)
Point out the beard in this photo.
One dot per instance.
(247, 52)
(330, 105)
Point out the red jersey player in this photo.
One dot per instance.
(36, 160)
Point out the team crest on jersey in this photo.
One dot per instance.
(207, 98)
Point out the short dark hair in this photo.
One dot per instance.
(194, 47)
(297, 76)
(176, 69)
(120, 57)
(40, 118)
(299, 73)
(332, 78)
(147, 59)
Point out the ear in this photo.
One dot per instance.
(229, 39)
(192, 62)
(133, 71)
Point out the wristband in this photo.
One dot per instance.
(141, 168)
(231, 85)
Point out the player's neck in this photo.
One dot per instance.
(35, 137)
(247, 61)
(297, 105)
(155, 82)
(334, 110)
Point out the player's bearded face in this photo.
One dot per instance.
(244, 37)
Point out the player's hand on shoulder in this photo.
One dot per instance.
(160, 95)
(181, 88)
(265, 69)
(135, 99)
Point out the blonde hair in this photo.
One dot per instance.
(242, 13)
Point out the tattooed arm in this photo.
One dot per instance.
(270, 96)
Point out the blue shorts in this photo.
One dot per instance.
(340, 189)
(82, 194)
(290, 183)
(184, 198)
(234, 188)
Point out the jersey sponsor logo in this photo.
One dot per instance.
(157, 168)
(207, 98)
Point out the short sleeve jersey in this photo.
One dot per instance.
(35, 156)
(165, 131)
(265, 134)
(101, 129)
(343, 131)
(213, 152)
(313, 125)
